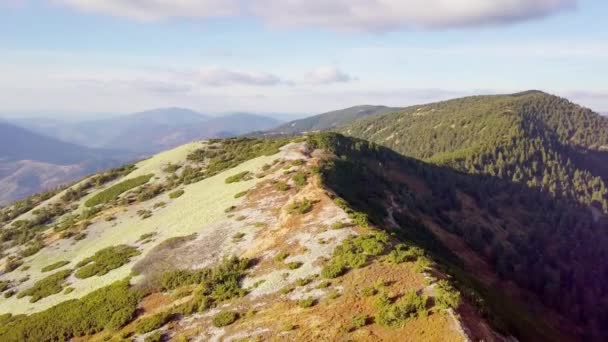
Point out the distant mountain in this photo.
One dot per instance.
(31, 162)
(330, 120)
(105, 132)
(152, 139)
(150, 131)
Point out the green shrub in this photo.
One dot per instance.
(369, 292)
(116, 190)
(105, 260)
(281, 186)
(151, 323)
(241, 194)
(68, 290)
(338, 225)
(147, 236)
(144, 213)
(80, 236)
(241, 176)
(225, 318)
(4, 285)
(110, 307)
(446, 295)
(156, 337)
(32, 249)
(333, 270)
(300, 179)
(238, 236)
(294, 265)
(281, 257)
(409, 306)
(171, 168)
(54, 266)
(402, 253)
(12, 264)
(358, 321)
(176, 194)
(324, 284)
(300, 207)
(303, 281)
(307, 302)
(48, 286)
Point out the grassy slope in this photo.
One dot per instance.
(202, 204)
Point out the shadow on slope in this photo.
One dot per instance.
(551, 248)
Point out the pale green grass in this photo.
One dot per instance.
(202, 205)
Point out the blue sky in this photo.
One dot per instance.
(302, 56)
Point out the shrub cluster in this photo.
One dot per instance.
(241, 176)
(116, 190)
(225, 318)
(105, 260)
(355, 252)
(402, 253)
(54, 266)
(48, 286)
(411, 305)
(110, 307)
(446, 296)
(300, 207)
(150, 323)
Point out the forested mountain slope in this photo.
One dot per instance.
(531, 138)
(502, 232)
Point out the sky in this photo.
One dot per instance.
(93, 57)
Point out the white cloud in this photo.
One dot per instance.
(327, 75)
(215, 76)
(358, 15)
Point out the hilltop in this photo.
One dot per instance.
(329, 120)
(532, 138)
(222, 239)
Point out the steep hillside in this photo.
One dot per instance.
(539, 264)
(531, 138)
(30, 163)
(222, 240)
(329, 120)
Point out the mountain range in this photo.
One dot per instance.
(478, 218)
(149, 131)
(41, 154)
